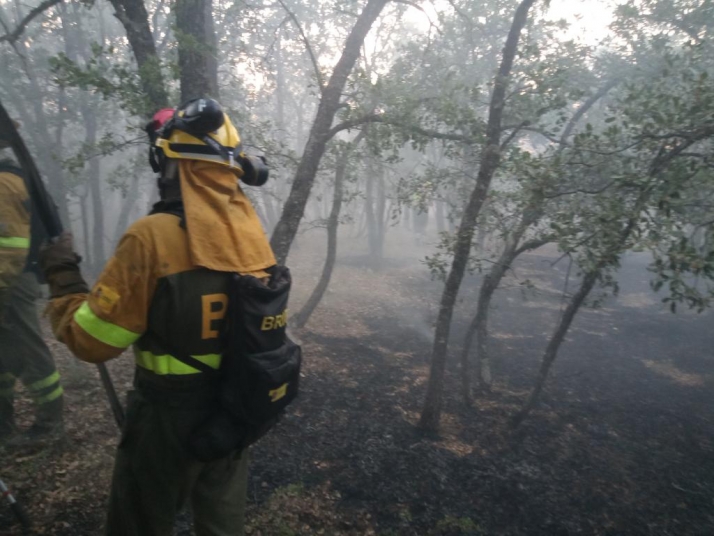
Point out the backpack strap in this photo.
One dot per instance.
(175, 207)
(185, 358)
(195, 363)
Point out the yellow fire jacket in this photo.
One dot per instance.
(14, 228)
(149, 295)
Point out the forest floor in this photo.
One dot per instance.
(621, 444)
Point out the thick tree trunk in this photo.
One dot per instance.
(490, 159)
(135, 19)
(333, 223)
(294, 207)
(196, 49)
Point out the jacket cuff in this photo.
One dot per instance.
(66, 281)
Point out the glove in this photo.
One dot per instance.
(60, 264)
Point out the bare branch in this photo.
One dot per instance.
(13, 36)
(460, 13)
(532, 244)
(417, 6)
(308, 47)
(582, 110)
(513, 134)
(372, 118)
(540, 131)
(581, 191)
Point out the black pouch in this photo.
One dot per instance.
(260, 369)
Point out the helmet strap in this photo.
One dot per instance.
(154, 158)
(170, 170)
(169, 185)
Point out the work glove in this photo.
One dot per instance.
(60, 264)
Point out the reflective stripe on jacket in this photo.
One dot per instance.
(152, 296)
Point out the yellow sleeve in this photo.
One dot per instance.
(98, 326)
(14, 228)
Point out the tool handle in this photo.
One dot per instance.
(117, 408)
(21, 515)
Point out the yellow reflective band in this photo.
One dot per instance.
(54, 395)
(167, 364)
(104, 331)
(14, 242)
(49, 380)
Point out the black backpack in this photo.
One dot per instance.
(260, 370)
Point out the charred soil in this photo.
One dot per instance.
(621, 444)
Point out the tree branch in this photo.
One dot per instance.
(13, 36)
(582, 110)
(351, 123)
(581, 191)
(310, 52)
(513, 134)
(417, 6)
(532, 244)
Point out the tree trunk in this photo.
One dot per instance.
(554, 344)
(360, 224)
(95, 189)
(294, 208)
(37, 129)
(531, 213)
(490, 159)
(658, 165)
(85, 228)
(333, 223)
(135, 19)
(375, 250)
(479, 325)
(492, 280)
(132, 197)
(77, 47)
(280, 92)
(380, 216)
(270, 212)
(584, 108)
(196, 49)
(441, 223)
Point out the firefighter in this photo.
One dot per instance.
(23, 352)
(164, 291)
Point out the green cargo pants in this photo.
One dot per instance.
(154, 477)
(24, 354)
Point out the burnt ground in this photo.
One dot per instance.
(621, 443)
